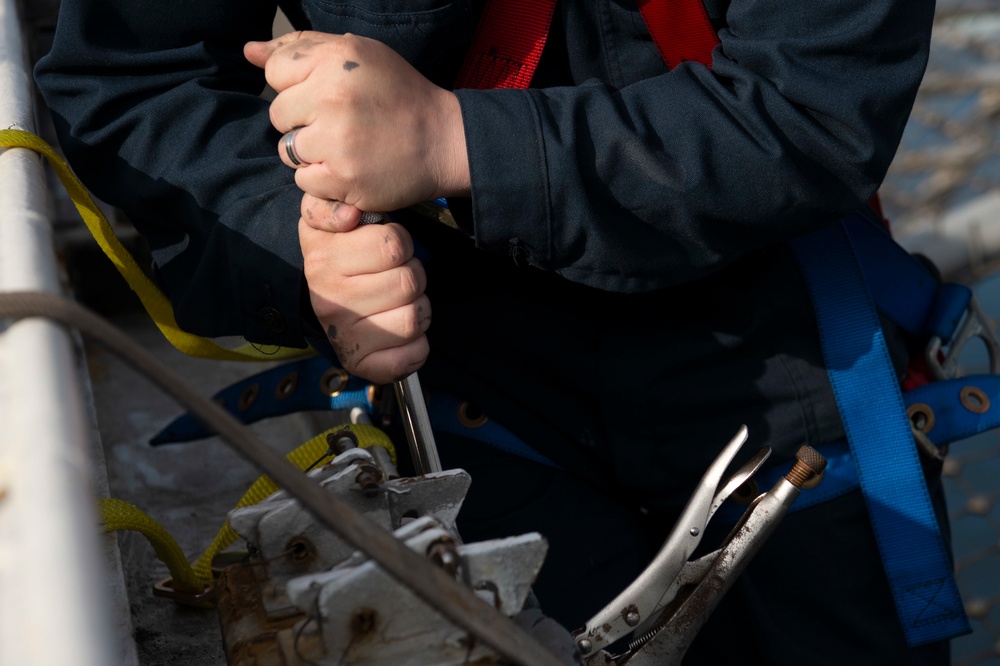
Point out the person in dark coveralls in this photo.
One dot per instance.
(621, 297)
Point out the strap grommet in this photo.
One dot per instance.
(286, 386)
(248, 397)
(921, 417)
(333, 382)
(975, 400)
(470, 416)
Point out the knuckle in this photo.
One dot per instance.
(404, 363)
(396, 247)
(411, 326)
(411, 281)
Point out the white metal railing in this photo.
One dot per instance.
(54, 608)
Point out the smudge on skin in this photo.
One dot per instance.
(351, 65)
(344, 352)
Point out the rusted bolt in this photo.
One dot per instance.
(300, 549)
(442, 553)
(342, 440)
(632, 619)
(808, 465)
(368, 478)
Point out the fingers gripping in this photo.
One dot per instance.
(367, 290)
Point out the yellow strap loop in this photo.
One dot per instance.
(196, 578)
(155, 302)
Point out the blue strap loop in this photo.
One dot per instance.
(914, 553)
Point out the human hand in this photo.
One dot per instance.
(374, 133)
(367, 290)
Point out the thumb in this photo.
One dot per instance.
(258, 52)
(327, 215)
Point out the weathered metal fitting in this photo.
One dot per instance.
(341, 441)
(369, 477)
(808, 465)
(384, 461)
(444, 554)
(300, 550)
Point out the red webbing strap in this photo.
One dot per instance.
(680, 29)
(508, 44)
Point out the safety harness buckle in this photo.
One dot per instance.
(942, 355)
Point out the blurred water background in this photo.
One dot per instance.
(942, 195)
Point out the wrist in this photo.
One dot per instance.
(452, 157)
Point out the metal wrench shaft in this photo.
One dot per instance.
(417, 425)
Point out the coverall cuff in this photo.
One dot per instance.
(510, 197)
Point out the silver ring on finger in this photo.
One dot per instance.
(290, 149)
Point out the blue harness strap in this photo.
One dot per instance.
(914, 553)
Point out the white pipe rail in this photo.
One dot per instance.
(54, 607)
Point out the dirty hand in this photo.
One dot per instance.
(367, 290)
(374, 133)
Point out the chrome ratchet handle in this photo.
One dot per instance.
(417, 425)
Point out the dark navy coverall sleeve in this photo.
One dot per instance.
(159, 114)
(632, 180)
(640, 179)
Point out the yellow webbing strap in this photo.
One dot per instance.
(119, 515)
(152, 298)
